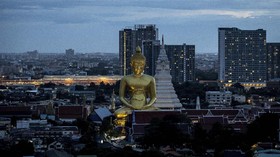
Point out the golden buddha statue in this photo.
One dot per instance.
(141, 89)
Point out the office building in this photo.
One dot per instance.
(242, 57)
(273, 61)
(182, 62)
(129, 39)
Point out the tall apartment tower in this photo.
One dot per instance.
(129, 39)
(33, 54)
(273, 60)
(182, 62)
(242, 56)
(69, 53)
(151, 49)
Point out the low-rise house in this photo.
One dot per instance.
(99, 114)
(239, 98)
(72, 112)
(16, 111)
(218, 98)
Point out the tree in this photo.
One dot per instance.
(206, 75)
(62, 94)
(3, 87)
(23, 148)
(166, 131)
(199, 139)
(89, 136)
(79, 88)
(92, 86)
(14, 121)
(116, 87)
(189, 90)
(264, 129)
(238, 88)
(107, 124)
(48, 85)
(83, 125)
(99, 96)
(152, 153)
(252, 90)
(221, 138)
(125, 152)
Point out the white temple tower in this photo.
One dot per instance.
(166, 96)
(197, 103)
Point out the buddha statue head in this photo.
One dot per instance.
(137, 62)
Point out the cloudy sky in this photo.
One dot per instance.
(93, 25)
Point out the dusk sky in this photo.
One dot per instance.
(93, 25)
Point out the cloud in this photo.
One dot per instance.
(131, 14)
(75, 12)
(67, 23)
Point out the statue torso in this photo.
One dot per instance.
(138, 88)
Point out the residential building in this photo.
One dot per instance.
(151, 49)
(33, 54)
(69, 53)
(239, 98)
(273, 83)
(182, 62)
(129, 39)
(71, 112)
(218, 98)
(273, 60)
(19, 111)
(242, 57)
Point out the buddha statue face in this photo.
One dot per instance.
(138, 67)
(138, 62)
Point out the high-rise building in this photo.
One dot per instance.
(129, 39)
(182, 62)
(33, 54)
(126, 49)
(242, 56)
(151, 50)
(273, 60)
(69, 53)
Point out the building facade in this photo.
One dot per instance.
(70, 53)
(65, 79)
(218, 98)
(273, 61)
(242, 56)
(151, 50)
(182, 62)
(129, 39)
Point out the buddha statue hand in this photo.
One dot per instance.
(146, 107)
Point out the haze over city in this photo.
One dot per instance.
(93, 25)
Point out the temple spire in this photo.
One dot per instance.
(166, 95)
(197, 103)
(162, 42)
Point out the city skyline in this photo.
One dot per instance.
(93, 26)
